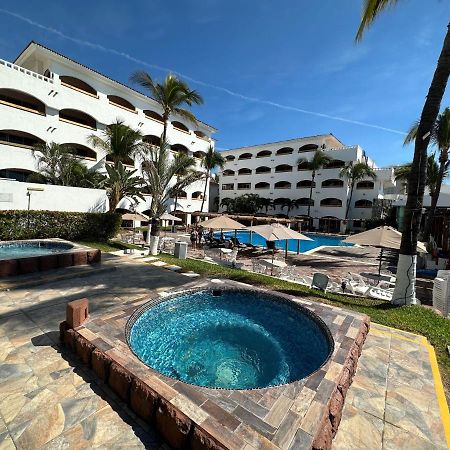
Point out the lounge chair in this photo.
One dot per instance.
(380, 294)
(320, 281)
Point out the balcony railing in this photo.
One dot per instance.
(25, 71)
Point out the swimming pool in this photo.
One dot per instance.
(26, 249)
(318, 240)
(230, 338)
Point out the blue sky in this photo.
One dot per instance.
(268, 70)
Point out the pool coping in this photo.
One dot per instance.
(77, 255)
(302, 414)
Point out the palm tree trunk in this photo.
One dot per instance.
(313, 177)
(349, 200)
(405, 291)
(204, 191)
(166, 122)
(154, 238)
(435, 197)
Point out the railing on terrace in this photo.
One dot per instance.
(25, 71)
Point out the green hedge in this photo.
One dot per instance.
(55, 224)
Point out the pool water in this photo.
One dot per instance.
(15, 250)
(236, 340)
(318, 240)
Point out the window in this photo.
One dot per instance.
(245, 156)
(280, 201)
(230, 158)
(16, 174)
(125, 161)
(21, 100)
(262, 185)
(119, 101)
(197, 195)
(180, 149)
(19, 138)
(228, 187)
(244, 171)
(335, 202)
(78, 85)
(153, 115)
(262, 169)
(332, 183)
(308, 148)
(305, 184)
(335, 164)
(282, 185)
(242, 186)
(199, 154)
(283, 168)
(264, 154)
(182, 194)
(81, 151)
(285, 151)
(228, 173)
(76, 117)
(180, 126)
(363, 204)
(201, 135)
(151, 139)
(365, 185)
(305, 201)
(304, 165)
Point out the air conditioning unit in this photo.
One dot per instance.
(441, 295)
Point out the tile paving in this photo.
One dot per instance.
(47, 400)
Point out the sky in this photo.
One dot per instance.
(267, 70)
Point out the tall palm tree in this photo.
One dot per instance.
(266, 203)
(120, 183)
(404, 292)
(172, 94)
(119, 141)
(211, 161)
(159, 170)
(289, 204)
(318, 161)
(440, 137)
(355, 172)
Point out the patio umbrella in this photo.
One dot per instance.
(382, 237)
(222, 223)
(277, 232)
(167, 216)
(134, 217)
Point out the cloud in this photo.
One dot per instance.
(205, 84)
(344, 59)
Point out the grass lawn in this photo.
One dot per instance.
(108, 246)
(416, 319)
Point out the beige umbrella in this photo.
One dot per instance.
(382, 237)
(278, 232)
(134, 216)
(222, 223)
(167, 216)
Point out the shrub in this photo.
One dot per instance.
(16, 225)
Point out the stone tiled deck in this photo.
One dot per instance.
(49, 401)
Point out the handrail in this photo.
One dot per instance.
(25, 71)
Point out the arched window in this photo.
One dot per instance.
(153, 115)
(81, 151)
(335, 202)
(305, 201)
(76, 117)
(283, 168)
(305, 184)
(125, 161)
(264, 154)
(19, 138)
(228, 173)
(335, 164)
(197, 195)
(304, 165)
(230, 157)
(280, 201)
(179, 148)
(363, 204)
(282, 185)
(120, 101)
(180, 126)
(77, 84)
(16, 174)
(244, 171)
(199, 154)
(201, 135)
(332, 183)
(365, 185)
(21, 100)
(151, 139)
(182, 194)
(262, 169)
(308, 148)
(245, 156)
(285, 151)
(262, 185)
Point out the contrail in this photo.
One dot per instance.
(246, 98)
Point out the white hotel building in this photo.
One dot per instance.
(47, 97)
(271, 171)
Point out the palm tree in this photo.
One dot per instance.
(318, 161)
(227, 203)
(289, 204)
(404, 292)
(172, 94)
(119, 141)
(266, 203)
(355, 172)
(120, 183)
(440, 137)
(211, 161)
(159, 171)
